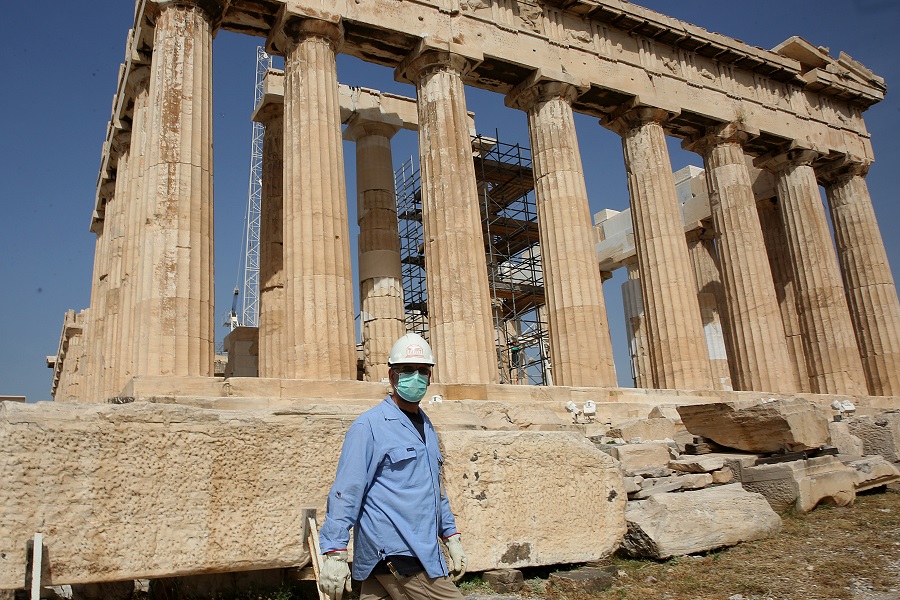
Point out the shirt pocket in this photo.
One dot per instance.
(400, 458)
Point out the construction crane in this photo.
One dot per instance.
(249, 261)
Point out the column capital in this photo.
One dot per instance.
(635, 113)
(363, 125)
(212, 9)
(543, 85)
(841, 170)
(268, 111)
(271, 105)
(722, 133)
(430, 55)
(292, 26)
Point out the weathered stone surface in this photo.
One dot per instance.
(675, 332)
(633, 484)
(695, 481)
(802, 484)
(499, 422)
(646, 429)
(504, 581)
(513, 477)
(786, 424)
(536, 419)
(880, 434)
(634, 457)
(667, 411)
(843, 440)
(832, 356)
(580, 347)
(872, 472)
(677, 524)
(220, 491)
(700, 464)
(651, 472)
(653, 488)
(724, 475)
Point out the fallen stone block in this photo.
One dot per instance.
(667, 525)
(504, 581)
(700, 464)
(667, 411)
(695, 481)
(802, 484)
(723, 475)
(872, 472)
(633, 484)
(634, 457)
(588, 580)
(146, 490)
(644, 429)
(651, 490)
(789, 424)
(843, 440)
(650, 472)
(880, 434)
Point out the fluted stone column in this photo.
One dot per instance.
(459, 303)
(756, 334)
(779, 258)
(174, 324)
(711, 299)
(271, 240)
(868, 282)
(832, 358)
(678, 352)
(94, 327)
(319, 341)
(382, 313)
(134, 226)
(580, 345)
(635, 327)
(114, 229)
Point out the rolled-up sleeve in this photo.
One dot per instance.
(448, 522)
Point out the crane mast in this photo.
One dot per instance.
(249, 312)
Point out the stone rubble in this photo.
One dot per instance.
(783, 481)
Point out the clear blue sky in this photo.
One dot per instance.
(59, 64)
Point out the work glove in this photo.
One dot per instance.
(335, 575)
(458, 556)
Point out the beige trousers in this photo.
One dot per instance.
(414, 587)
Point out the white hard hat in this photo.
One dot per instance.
(411, 349)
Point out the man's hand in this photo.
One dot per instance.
(458, 556)
(335, 575)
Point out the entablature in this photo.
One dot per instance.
(625, 53)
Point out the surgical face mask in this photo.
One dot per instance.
(411, 386)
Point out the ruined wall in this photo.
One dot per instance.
(147, 490)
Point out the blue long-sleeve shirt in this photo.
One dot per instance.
(388, 489)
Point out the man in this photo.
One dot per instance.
(388, 489)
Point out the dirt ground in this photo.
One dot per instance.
(846, 553)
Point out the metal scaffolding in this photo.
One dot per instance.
(512, 256)
(249, 315)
